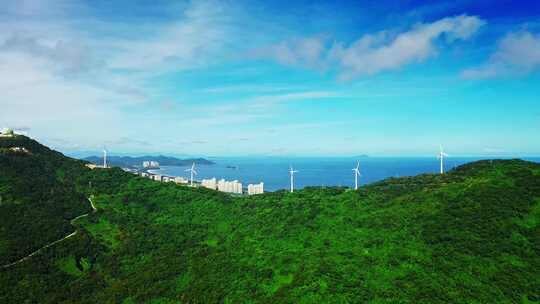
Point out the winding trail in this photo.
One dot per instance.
(94, 209)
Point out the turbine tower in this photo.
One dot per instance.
(292, 172)
(356, 175)
(104, 157)
(192, 170)
(441, 156)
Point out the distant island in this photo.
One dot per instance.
(362, 156)
(129, 161)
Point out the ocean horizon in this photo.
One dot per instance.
(317, 171)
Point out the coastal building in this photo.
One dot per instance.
(150, 164)
(180, 180)
(168, 179)
(144, 174)
(229, 186)
(210, 183)
(256, 188)
(130, 170)
(157, 177)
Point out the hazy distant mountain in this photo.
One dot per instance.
(128, 161)
(361, 156)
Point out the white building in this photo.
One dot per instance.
(19, 149)
(180, 180)
(229, 186)
(256, 188)
(144, 174)
(157, 177)
(150, 164)
(210, 183)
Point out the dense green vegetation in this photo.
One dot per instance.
(38, 197)
(470, 236)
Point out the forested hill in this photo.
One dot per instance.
(469, 236)
(38, 196)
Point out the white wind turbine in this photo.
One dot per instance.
(356, 175)
(104, 157)
(292, 172)
(192, 170)
(441, 156)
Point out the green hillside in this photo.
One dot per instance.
(470, 236)
(38, 196)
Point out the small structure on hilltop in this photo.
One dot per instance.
(19, 149)
(7, 132)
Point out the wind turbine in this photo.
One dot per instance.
(356, 175)
(104, 157)
(292, 172)
(192, 170)
(441, 156)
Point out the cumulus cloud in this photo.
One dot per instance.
(372, 53)
(517, 53)
(375, 53)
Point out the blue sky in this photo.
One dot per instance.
(274, 78)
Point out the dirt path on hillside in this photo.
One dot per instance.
(94, 209)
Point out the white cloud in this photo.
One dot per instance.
(372, 53)
(517, 54)
(375, 53)
(64, 57)
(34, 96)
(193, 40)
(248, 88)
(268, 100)
(73, 77)
(296, 52)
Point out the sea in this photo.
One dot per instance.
(315, 171)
